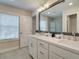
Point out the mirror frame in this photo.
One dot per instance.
(50, 6)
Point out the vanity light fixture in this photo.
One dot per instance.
(70, 4)
(46, 5)
(40, 9)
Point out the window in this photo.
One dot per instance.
(9, 26)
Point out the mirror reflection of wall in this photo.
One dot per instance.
(63, 17)
(52, 24)
(56, 23)
(44, 23)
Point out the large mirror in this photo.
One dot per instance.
(63, 17)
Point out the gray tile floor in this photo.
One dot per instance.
(16, 54)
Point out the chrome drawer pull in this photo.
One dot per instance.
(42, 53)
(41, 44)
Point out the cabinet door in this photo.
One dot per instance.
(70, 55)
(42, 53)
(25, 22)
(33, 48)
(54, 56)
(30, 45)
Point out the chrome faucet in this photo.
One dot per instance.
(74, 37)
(62, 36)
(48, 34)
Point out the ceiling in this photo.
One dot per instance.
(58, 9)
(24, 4)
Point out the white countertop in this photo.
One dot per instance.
(69, 45)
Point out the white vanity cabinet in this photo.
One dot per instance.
(33, 47)
(42, 50)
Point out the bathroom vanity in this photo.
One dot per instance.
(57, 18)
(42, 47)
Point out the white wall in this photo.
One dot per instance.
(25, 20)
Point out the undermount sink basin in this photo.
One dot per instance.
(58, 40)
(55, 39)
(67, 42)
(70, 43)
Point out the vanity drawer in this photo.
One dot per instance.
(42, 44)
(42, 53)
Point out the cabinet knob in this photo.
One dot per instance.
(41, 44)
(31, 45)
(41, 52)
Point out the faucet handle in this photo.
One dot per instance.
(62, 36)
(74, 37)
(73, 33)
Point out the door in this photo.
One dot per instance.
(25, 30)
(72, 23)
